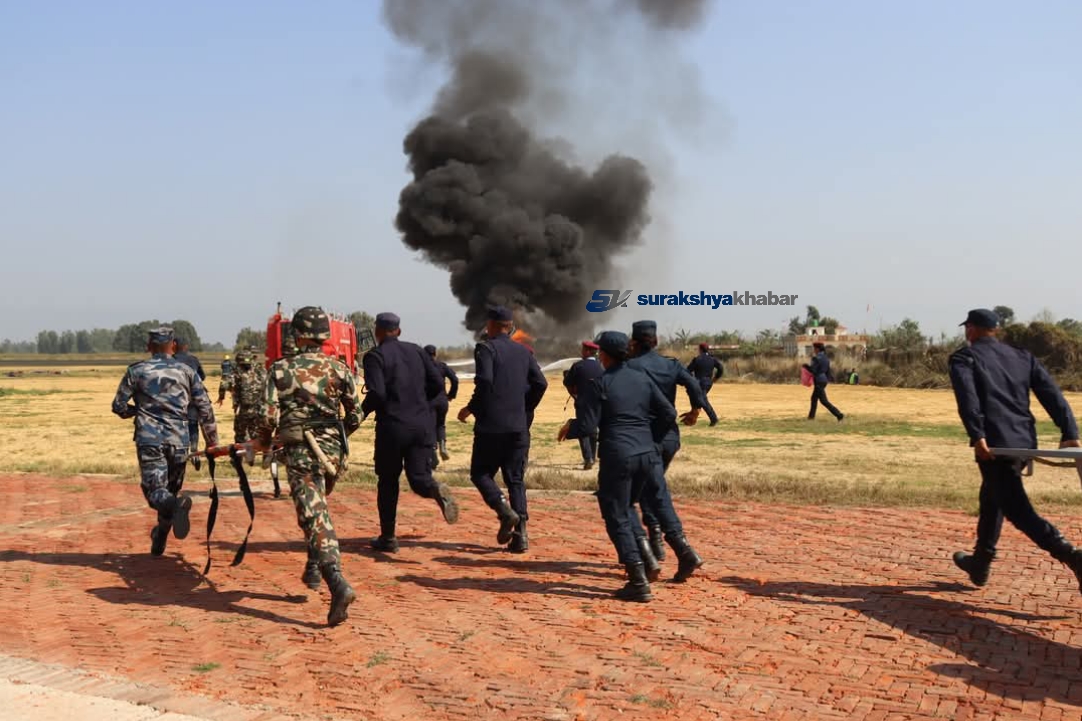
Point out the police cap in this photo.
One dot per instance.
(614, 343)
(981, 318)
(589, 344)
(641, 329)
(500, 313)
(387, 321)
(164, 334)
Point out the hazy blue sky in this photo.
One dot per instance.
(191, 159)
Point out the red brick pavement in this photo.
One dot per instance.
(799, 613)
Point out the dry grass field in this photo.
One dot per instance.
(896, 447)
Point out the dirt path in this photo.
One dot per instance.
(800, 613)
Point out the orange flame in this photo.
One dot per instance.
(521, 336)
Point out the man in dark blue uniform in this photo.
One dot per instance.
(441, 404)
(820, 370)
(401, 381)
(577, 376)
(991, 382)
(706, 369)
(620, 406)
(667, 374)
(508, 385)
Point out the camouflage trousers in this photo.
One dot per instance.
(307, 488)
(162, 472)
(246, 427)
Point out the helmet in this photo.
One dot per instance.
(227, 356)
(244, 358)
(311, 322)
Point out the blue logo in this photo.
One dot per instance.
(603, 300)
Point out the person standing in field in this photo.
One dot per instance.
(821, 377)
(707, 370)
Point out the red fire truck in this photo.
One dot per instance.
(343, 343)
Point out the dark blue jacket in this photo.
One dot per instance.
(820, 367)
(447, 375)
(400, 381)
(508, 385)
(992, 382)
(703, 365)
(581, 373)
(667, 374)
(621, 407)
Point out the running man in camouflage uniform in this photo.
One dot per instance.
(248, 385)
(162, 389)
(303, 394)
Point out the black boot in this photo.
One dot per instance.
(181, 524)
(977, 566)
(637, 587)
(657, 542)
(688, 560)
(653, 568)
(446, 501)
(312, 575)
(342, 594)
(443, 450)
(1071, 557)
(508, 520)
(386, 544)
(520, 540)
(435, 458)
(158, 536)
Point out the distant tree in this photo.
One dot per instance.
(829, 324)
(250, 337)
(1005, 313)
(812, 317)
(1071, 325)
(797, 325)
(361, 319)
(184, 329)
(101, 340)
(767, 339)
(132, 337)
(1045, 316)
(18, 346)
(67, 342)
(904, 336)
(48, 342)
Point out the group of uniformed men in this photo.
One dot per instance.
(625, 419)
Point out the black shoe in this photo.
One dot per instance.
(520, 540)
(197, 461)
(385, 544)
(637, 588)
(181, 524)
(977, 565)
(508, 520)
(443, 451)
(435, 459)
(686, 557)
(587, 465)
(342, 594)
(446, 502)
(158, 536)
(1074, 562)
(657, 542)
(653, 568)
(841, 417)
(312, 577)
(713, 422)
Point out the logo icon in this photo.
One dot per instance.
(603, 300)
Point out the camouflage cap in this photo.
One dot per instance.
(311, 322)
(244, 358)
(164, 334)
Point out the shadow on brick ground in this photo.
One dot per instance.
(1006, 662)
(162, 581)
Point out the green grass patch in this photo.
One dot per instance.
(206, 667)
(6, 392)
(380, 657)
(645, 700)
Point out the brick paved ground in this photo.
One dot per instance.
(800, 613)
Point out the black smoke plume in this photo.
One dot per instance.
(508, 214)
